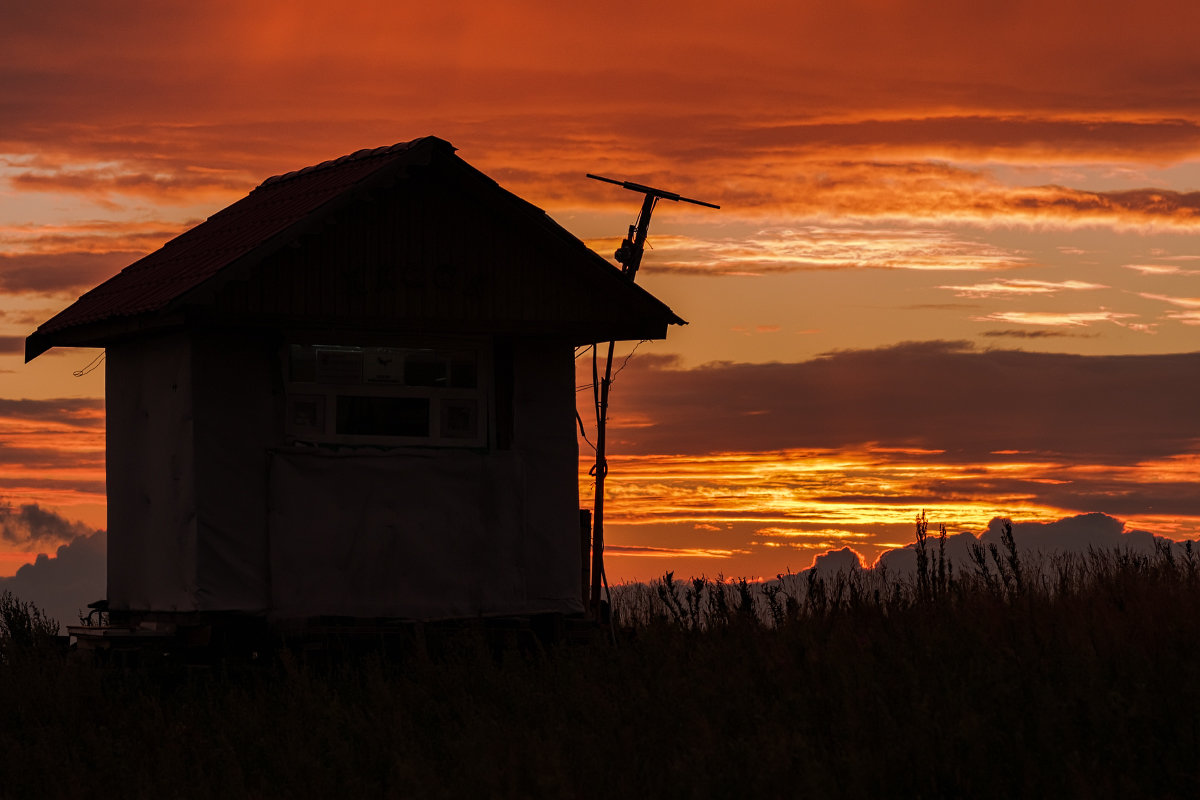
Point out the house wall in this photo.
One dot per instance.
(299, 531)
(238, 399)
(544, 435)
(151, 502)
(437, 532)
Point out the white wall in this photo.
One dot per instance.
(151, 501)
(261, 527)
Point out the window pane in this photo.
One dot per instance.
(460, 419)
(384, 365)
(306, 414)
(425, 368)
(304, 363)
(462, 371)
(359, 415)
(344, 365)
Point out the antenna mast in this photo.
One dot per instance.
(629, 255)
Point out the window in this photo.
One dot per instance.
(385, 395)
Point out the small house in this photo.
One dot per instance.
(352, 393)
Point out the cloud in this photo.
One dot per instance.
(945, 396)
(74, 256)
(808, 452)
(63, 584)
(1160, 269)
(803, 247)
(937, 57)
(665, 552)
(1077, 535)
(85, 412)
(1070, 319)
(30, 527)
(1191, 303)
(1023, 334)
(1184, 317)
(180, 184)
(830, 563)
(52, 451)
(1020, 287)
(875, 122)
(52, 273)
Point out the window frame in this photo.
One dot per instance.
(326, 395)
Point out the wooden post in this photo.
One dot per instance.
(585, 551)
(601, 472)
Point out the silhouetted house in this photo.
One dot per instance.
(352, 393)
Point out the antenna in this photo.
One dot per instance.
(629, 255)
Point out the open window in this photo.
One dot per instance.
(342, 394)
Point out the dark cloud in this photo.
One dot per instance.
(1072, 535)
(55, 444)
(31, 527)
(60, 272)
(95, 181)
(37, 459)
(967, 134)
(83, 412)
(11, 345)
(1148, 203)
(1076, 535)
(932, 395)
(865, 95)
(1037, 334)
(63, 584)
(834, 561)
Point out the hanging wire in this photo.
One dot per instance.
(582, 433)
(580, 352)
(625, 363)
(92, 365)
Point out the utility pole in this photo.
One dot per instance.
(629, 255)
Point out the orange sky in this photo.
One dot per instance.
(999, 183)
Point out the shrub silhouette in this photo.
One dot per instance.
(23, 627)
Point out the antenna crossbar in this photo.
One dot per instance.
(650, 190)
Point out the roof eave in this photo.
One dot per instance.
(99, 334)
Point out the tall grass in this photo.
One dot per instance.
(997, 575)
(1069, 676)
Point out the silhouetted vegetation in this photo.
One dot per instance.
(24, 629)
(1071, 676)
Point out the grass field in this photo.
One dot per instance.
(1075, 677)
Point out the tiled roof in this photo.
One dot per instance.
(273, 215)
(253, 223)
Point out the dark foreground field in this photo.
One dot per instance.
(1078, 678)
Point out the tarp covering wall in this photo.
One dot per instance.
(211, 510)
(423, 536)
(239, 410)
(440, 532)
(545, 438)
(151, 472)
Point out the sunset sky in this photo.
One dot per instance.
(956, 266)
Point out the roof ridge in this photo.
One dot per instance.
(358, 155)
